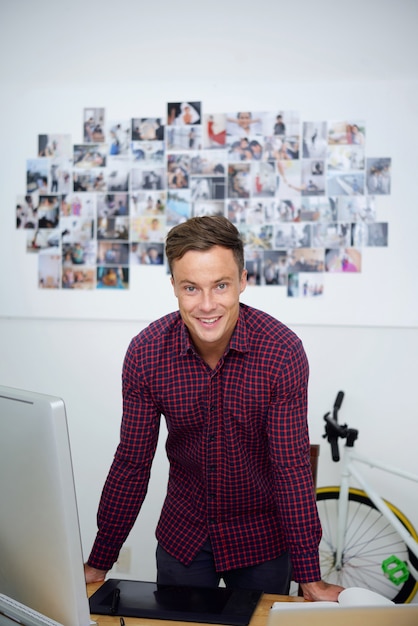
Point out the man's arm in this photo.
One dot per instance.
(127, 482)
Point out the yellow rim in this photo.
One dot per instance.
(393, 508)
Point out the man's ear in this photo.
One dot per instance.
(243, 282)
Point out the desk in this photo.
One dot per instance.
(259, 617)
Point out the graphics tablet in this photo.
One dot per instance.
(133, 598)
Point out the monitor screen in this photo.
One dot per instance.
(41, 562)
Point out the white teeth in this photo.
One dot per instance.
(211, 321)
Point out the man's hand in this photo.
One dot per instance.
(93, 575)
(320, 590)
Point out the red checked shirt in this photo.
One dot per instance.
(237, 444)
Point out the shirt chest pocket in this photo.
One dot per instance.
(248, 410)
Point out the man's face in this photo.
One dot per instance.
(208, 285)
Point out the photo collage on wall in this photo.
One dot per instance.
(304, 195)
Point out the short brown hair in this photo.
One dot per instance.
(203, 233)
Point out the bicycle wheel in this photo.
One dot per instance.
(369, 540)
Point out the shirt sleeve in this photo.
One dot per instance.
(290, 455)
(127, 482)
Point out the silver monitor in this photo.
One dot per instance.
(41, 562)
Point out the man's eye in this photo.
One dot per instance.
(222, 286)
(190, 289)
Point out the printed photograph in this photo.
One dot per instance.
(378, 176)
(112, 277)
(184, 113)
(118, 134)
(94, 125)
(343, 260)
(55, 146)
(346, 132)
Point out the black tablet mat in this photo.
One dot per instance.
(133, 598)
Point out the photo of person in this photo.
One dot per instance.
(243, 124)
(118, 134)
(89, 156)
(264, 179)
(275, 267)
(27, 211)
(207, 207)
(116, 228)
(76, 230)
(148, 153)
(48, 211)
(343, 132)
(112, 277)
(357, 209)
(179, 206)
(257, 237)
(37, 175)
(211, 163)
(76, 278)
(239, 180)
(150, 179)
(310, 285)
(93, 125)
(207, 188)
(214, 135)
(148, 229)
(117, 179)
(345, 183)
(112, 253)
(178, 168)
(56, 146)
(378, 176)
(184, 137)
(332, 235)
(306, 260)
(253, 265)
(90, 180)
(255, 213)
(292, 235)
(112, 205)
(343, 260)
(40, 239)
(49, 270)
(345, 158)
(315, 143)
(183, 113)
(373, 235)
(147, 129)
(147, 254)
(148, 203)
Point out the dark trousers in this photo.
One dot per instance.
(271, 577)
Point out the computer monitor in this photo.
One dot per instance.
(41, 562)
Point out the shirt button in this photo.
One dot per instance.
(211, 437)
(211, 496)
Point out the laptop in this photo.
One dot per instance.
(133, 598)
(395, 615)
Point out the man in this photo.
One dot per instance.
(231, 382)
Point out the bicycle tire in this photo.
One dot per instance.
(369, 540)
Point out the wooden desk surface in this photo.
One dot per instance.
(259, 617)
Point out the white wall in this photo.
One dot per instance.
(325, 59)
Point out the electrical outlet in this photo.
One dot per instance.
(123, 564)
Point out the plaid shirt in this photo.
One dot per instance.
(237, 444)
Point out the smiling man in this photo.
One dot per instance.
(231, 382)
